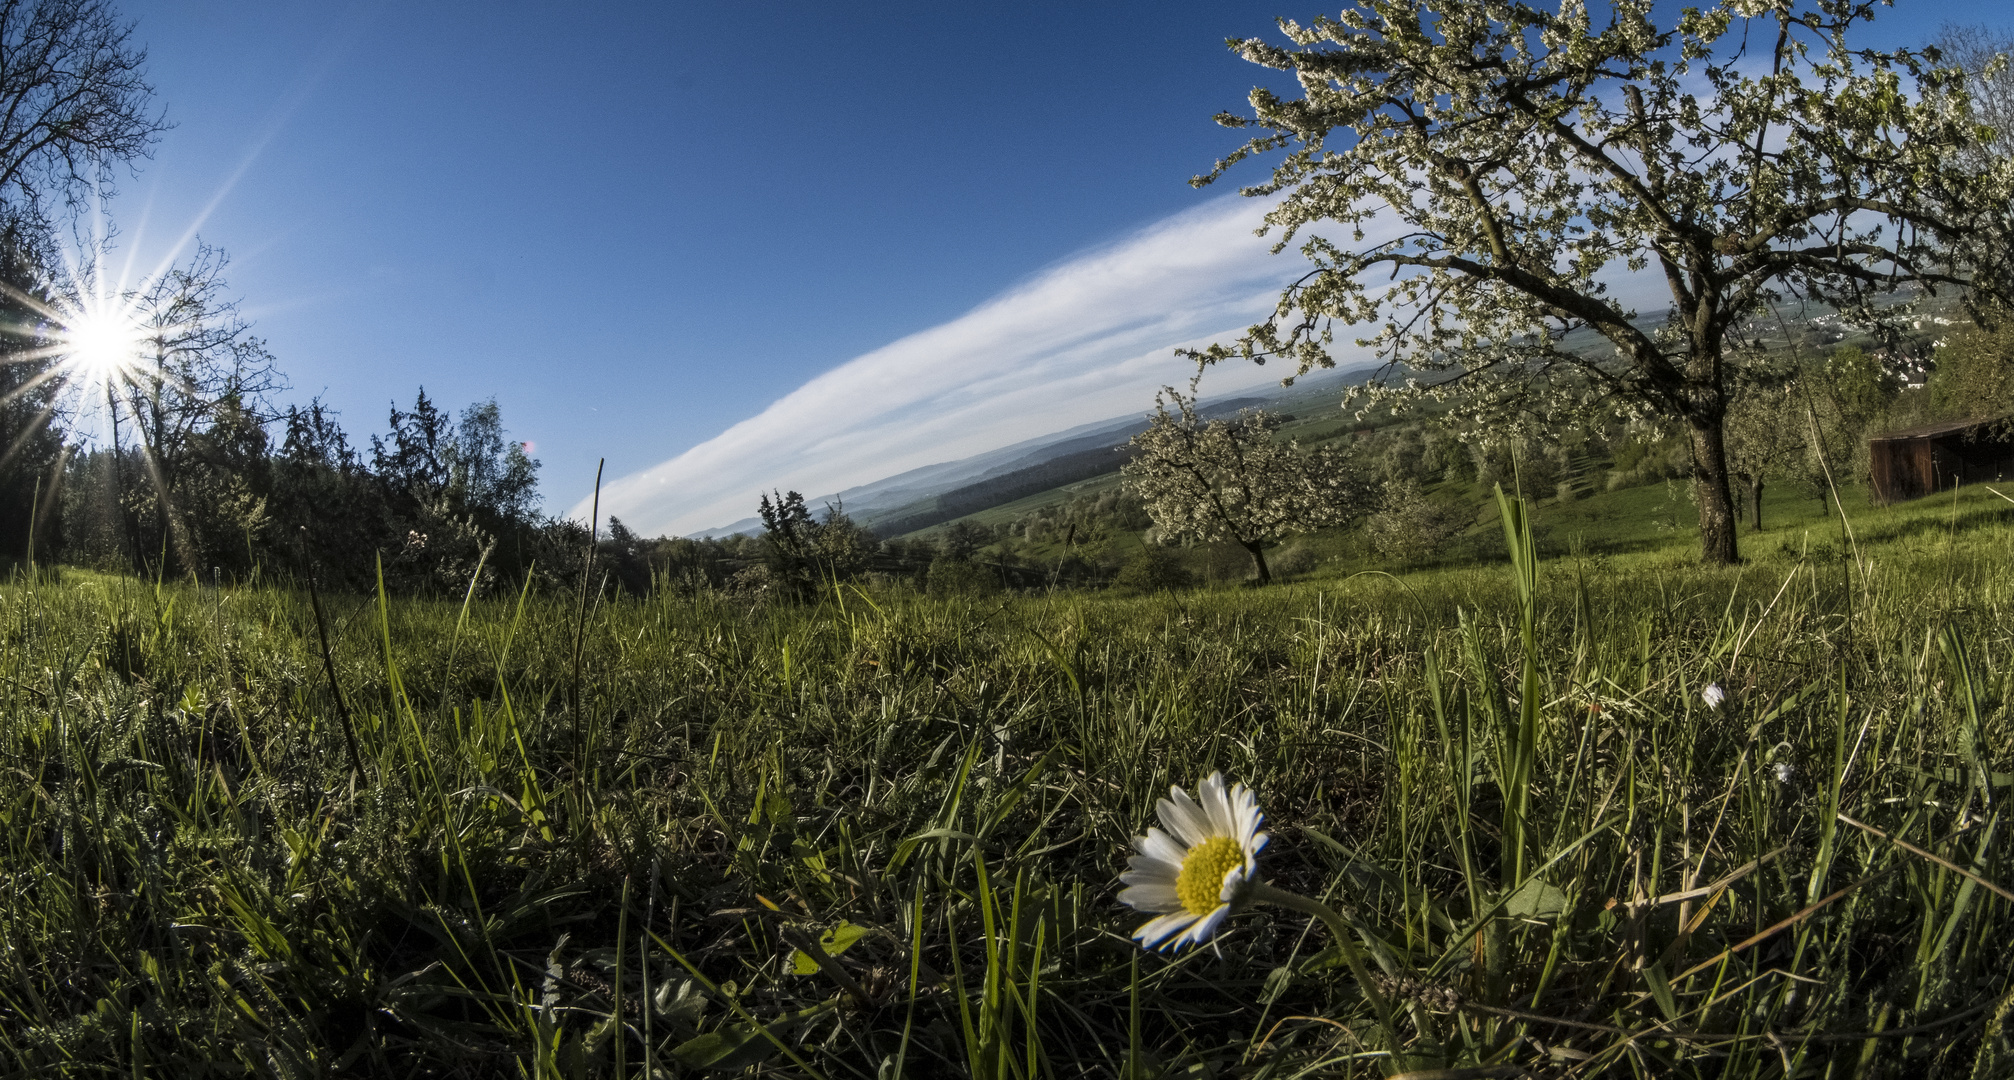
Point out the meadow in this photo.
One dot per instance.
(252, 831)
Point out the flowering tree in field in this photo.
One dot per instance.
(1765, 439)
(1494, 167)
(1232, 480)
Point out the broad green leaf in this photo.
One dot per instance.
(739, 1045)
(1660, 989)
(1536, 899)
(1277, 982)
(736, 1046)
(834, 941)
(840, 938)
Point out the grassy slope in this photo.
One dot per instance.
(1312, 404)
(1315, 417)
(1653, 518)
(200, 885)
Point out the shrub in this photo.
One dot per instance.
(1408, 524)
(1294, 559)
(1220, 562)
(959, 577)
(1152, 570)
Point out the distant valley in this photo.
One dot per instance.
(934, 494)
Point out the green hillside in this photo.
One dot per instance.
(1656, 518)
(1613, 515)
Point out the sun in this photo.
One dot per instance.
(100, 341)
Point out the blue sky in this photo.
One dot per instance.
(645, 228)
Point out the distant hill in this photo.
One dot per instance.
(935, 494)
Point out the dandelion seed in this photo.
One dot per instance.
(1195, 879)
(1784, 771)
(1713, 695)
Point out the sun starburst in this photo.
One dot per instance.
(100, 341)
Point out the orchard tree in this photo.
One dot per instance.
(1474, 174)
(1765, 438)
(1981, 52)
(1975, 374)
(1804, 423)
(1231, 479)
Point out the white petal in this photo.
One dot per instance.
(1184, 818)
(1216, 807)
(1206, 927)
(1149, 866)
(1234, 883)
(1244, 802)
(1153, 931)
(1238, 808)
(1257, 844)
(1241, 802)
(1245, 826)
(1151, 874)
(1151, 896)
(1158, 845)
(1241, 816)
(1133, 887)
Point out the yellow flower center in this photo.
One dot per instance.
(1200, 885)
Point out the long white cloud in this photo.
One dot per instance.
(1090, 338)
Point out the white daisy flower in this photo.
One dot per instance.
(1713, 695)
(1196, 878)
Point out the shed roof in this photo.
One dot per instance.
(1948, 427)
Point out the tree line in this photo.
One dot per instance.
(194, 470)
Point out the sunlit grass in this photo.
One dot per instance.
(881, 834)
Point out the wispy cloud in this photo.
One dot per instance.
(1089, 338)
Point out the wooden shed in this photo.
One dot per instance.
(1912, 463)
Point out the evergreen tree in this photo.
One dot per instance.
(31, 433)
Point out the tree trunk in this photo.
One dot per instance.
(1259, 557)
(1717, 520)
(127, 524)
(1755, 500)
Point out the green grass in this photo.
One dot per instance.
(1565, 862)
(1650, 518)
(1006, 512)
(1659, 523)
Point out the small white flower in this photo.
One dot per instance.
(1196, 878)
(1713, 695)
(1784, 771)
